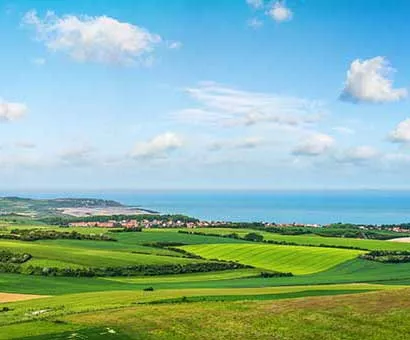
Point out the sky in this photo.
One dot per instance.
(184, 94)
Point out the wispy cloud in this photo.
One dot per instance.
(224, 106)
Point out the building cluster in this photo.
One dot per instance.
(146, 224)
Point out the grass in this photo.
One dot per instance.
(352, 271)
(185, 278)
(169, 235)
(295, 259)
(313, 240)
(83, 302)
(108, 245)
(377, 315)
(69, 255)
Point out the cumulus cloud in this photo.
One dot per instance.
(11, 111)
(98, 39)
(224, 106)
(314, 145)
(279, 12)
(369, 81)
(359, 154)
(157, 147)
(401, 134)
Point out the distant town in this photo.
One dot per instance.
(171, 223)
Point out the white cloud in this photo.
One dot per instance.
(174, 45)
(244, 143)
(359, 154)
(279, 12)
(401, 134)
(157, 147)
(77, 155)
(255, 23)
(314, 145)
(224, 106)
(99, 39)
(11, 111)
(369, 81)
(257, 4)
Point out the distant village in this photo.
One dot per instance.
(160, 223)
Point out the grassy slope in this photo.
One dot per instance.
(315, 240)
(379, 316)
(169, 235)
(347, 272)
(84, 256)
(75, 303)
(295, 259)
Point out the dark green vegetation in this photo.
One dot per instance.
(387, 256)
(345, 230)
(44, 234)
(243, 281)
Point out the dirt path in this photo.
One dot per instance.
(10, 297)
(401, 239)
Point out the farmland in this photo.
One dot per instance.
(150, 280)
(295, 259)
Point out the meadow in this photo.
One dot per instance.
(329, 279)
(314, 240)
(295, 259)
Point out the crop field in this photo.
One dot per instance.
(295, 259)
(170, 235)
(84, 256)
(313, 240)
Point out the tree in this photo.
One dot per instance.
(253, 237)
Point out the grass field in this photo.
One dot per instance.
(67, 256)
(376, 315)
(295, 259)
(313, 240)
(231, 304)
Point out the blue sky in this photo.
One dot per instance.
(204, 94)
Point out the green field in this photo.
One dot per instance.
(84, 256)
(313, 240)
(295, 259)
(95, 307)
(363, 315)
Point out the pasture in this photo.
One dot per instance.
(295, 259)
(67, 256)
(376, 315)
(95, 307)
(312, 240)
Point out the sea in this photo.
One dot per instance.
(308, 207)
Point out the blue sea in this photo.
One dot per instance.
(322, 207)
